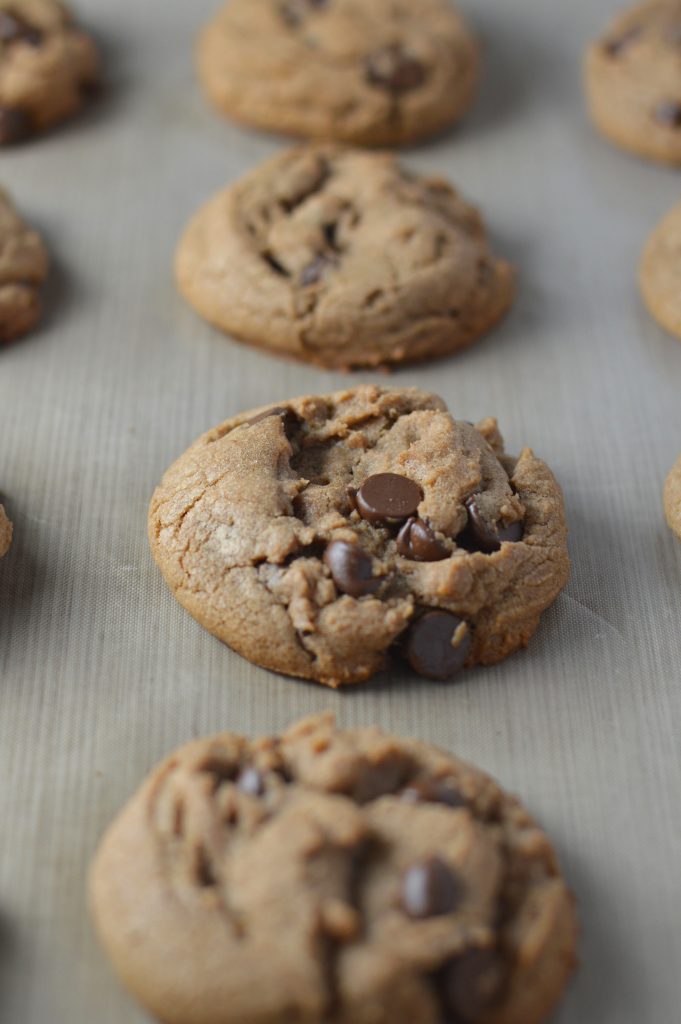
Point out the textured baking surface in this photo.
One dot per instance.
(102, 673)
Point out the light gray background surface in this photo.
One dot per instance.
(101, 672)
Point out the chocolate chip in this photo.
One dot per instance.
(315, 271)
(417, 541)
(438, 644)
(614, 47)
(430, 889)
(288, 418)
(471, 983)
(15, 126)
(433, 791)
(480, 536)
(351, 569)
(393, 69)
(388, 498)
(668, 113)
(251, 782)
(14, 29)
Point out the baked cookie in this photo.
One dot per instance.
(633, 81)
(5, 532)
(23, 269)
(379, 74)
(318, 537)
(672, 499)
(48, 67)
(332, 877)
(341, 258)
(660, 273)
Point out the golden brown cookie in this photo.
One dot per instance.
(660, 273)
(376, 73)
(672, 498)
(23, 269)
(49, 67)
(330, 877)
(342, 258)
(633, 81)
(5, 532)
(319, 537)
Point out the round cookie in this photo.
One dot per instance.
(660, 273)
(672, 498)
(319, 537)
(23, 268)
(330, 877)
(48, 67)
(378, 74)
(341, 258)
(5, 532)
(633, 81)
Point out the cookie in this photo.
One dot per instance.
(660, 273)
(341, 258)
(49, 67)
(5, 532)
(332, 877)
(378, 74)
(672, 499)
(319, 537)
(633, 81)
(23, 269)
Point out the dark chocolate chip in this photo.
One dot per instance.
(15, 126)
(388, 498)
(438, 644)
(251, 782)
(393, 69)
(614, 47)
(512, 533)
(417, 541)
(351, 569)
(287, 416)
(430, 889)
(480, 536)
(433, 791)
(315, 271)
(14, 29)
(668, 113)
(471, 983)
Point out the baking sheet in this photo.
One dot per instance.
(101, 672)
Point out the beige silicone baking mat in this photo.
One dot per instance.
(101, 672)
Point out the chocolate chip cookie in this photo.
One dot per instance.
(633, 81)
(379, 73)
(49, 67)
(342, 258)
(332, 877)
(5, 532)
(672, 498)
(319, 537)
(23, 269)
(660, 273)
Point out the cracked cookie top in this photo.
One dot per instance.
(379, 73)
(343, 258)
(318, 537)
(5, 532)
(23, 269)
(336, 877)
(634, 80)
(48, 67)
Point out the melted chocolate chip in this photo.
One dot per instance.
(351, 569)
(251, 782)
(15, 126)
(433, 791)
(315, 271)
(14, 29)
(388, 498)
(430, 889)
(480, 536)
(437, 645)
(287, 416)
(417, 541)
(668, 113)
(393, 69)
(470, 984)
